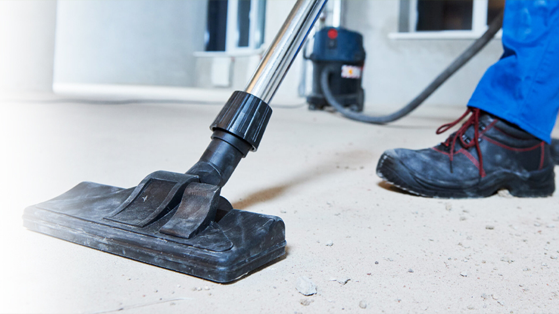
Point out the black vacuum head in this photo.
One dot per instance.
(169, 220)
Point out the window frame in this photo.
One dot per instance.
(232, 33)
(408, 22)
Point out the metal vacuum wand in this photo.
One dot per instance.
(239, 126)
(280, 55)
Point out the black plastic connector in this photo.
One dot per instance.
(238, 129)
(245, 116)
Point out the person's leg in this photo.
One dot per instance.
(513, 110)
(523, 86)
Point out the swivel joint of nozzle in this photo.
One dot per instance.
(237, 129)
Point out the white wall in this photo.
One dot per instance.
(276, 13)
(397, 70)
(27, 44)
(150, 42)
(140, 42)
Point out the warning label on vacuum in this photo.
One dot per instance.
(351, 72)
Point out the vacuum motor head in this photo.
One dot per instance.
(341, 52)
(338, 44)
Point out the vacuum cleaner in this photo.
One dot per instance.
(180, 221)
(342, 51)
(329, 83)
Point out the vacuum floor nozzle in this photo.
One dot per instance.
(170, 220)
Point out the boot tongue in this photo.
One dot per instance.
(469, 134)
(484, 121)
(446, 148)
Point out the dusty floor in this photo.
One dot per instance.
(399, 253)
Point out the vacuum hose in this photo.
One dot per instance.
(494, 27)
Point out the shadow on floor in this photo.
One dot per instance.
(353, 159)
(392, 188)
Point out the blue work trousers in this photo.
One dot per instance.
(523, 86)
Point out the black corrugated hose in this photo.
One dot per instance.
(494, 27)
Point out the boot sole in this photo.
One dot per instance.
(540, 183)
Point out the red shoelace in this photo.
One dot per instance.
(473, 120)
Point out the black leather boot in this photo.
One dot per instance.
(485, 155)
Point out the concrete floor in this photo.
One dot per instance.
(314, 170)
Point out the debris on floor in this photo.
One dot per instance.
(305, 286)
(506, 259)
(363, 304)
(306, 302)
(343, 281)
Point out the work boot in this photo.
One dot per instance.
(485, 155)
